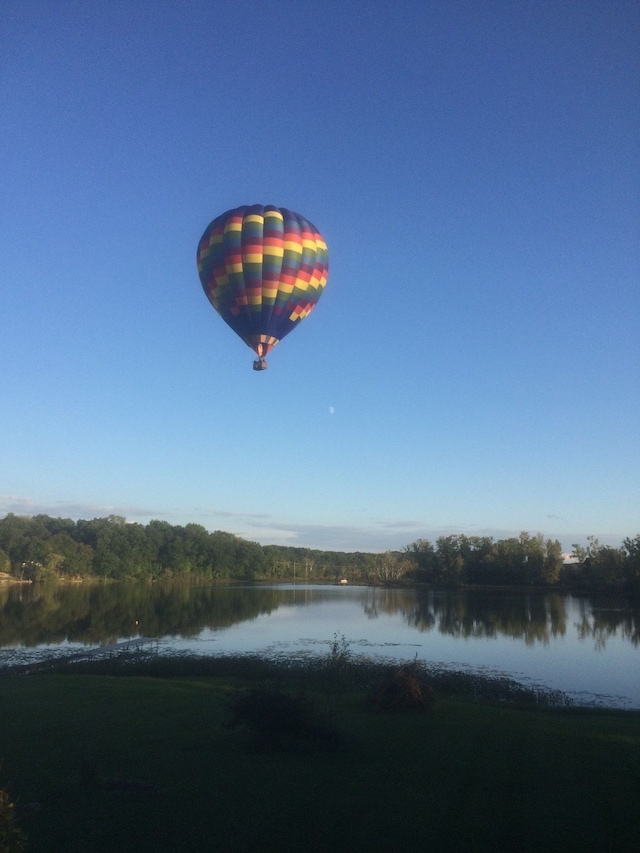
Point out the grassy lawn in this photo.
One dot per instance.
(102, 762)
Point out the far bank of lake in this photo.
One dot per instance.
(587, 646)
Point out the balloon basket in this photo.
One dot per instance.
(260, 364)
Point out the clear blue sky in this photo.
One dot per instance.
(473, 365)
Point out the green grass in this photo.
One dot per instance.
(149, 763)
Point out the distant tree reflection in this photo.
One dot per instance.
(98, 613)
(533, 617)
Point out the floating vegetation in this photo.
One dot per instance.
(338, 670)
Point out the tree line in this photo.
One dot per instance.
(526, 560)
(40, 547)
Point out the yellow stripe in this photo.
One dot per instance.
(293, 247)
(252, 258)
(234, 268)
(273, 251)
(254, 217)
(233, 226)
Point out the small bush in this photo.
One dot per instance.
(11, 836)
(403, 689)
(281, 720)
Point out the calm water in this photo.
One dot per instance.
(588, 647)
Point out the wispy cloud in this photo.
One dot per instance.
(376, 536)
(401, 525)
(75, 510)
(381, 536)
(222, 513)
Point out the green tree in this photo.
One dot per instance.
(602, 567)
(449, 560)
(25, 542)
(631, 550)
(76, 557)
(505, 562)
(579, 552)
(474, 550)
(553, 562)
(422, 556)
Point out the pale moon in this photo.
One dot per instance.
(331, 410)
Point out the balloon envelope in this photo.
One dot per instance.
(263, 269)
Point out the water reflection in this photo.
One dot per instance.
(94, 614)
(604, 618)
(481, 614)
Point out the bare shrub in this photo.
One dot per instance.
(403, 689)
(11, 836)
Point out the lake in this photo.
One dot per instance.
(586, 646)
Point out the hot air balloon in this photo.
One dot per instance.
(263, 269)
